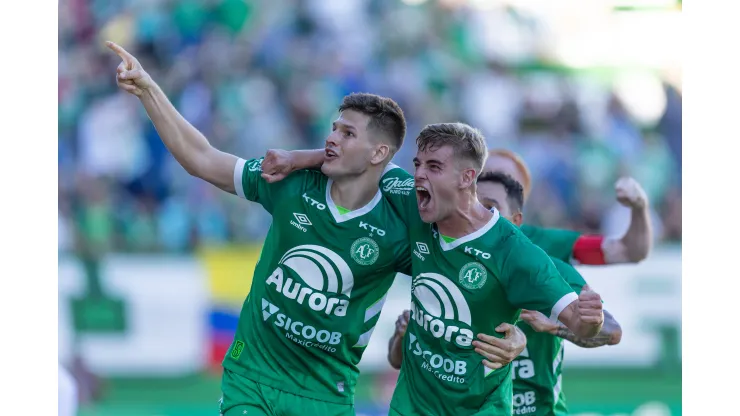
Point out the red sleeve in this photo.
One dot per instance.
(587, 250)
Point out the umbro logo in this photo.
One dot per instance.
(421, 250)
(268, 309)
(422, 247)
(302, 218)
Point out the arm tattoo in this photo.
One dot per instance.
(609, 332)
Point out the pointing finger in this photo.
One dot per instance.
(127, 58)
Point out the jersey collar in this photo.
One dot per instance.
(470, 237)
(352, 214)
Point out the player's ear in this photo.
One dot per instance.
(467, 178)
(517, 219)
(382, 152)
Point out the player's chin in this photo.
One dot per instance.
(427, 215)
(330, 168)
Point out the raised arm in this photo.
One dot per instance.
(610, 334)
(635, 244)
(189, 147)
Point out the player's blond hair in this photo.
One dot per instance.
(520, 165)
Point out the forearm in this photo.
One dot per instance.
(395, 353)
(307, 159)
(635, 244)
(639, 237)
(185, 142)
(610, 334)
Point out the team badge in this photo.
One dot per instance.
(473, 276)
(365, 251)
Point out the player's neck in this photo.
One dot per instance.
(354, 192)
(468, 217)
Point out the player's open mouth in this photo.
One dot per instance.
(330, 154)
(423, 196)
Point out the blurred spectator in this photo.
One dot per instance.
(256, 75)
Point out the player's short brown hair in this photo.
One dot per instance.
(385, 115)
(520, 165)
(467, 142)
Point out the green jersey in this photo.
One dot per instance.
(537, 372)
(461, 289)
(318, 288)
(556, 242)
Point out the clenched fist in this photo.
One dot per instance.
(402, 323)
(276, 165)
(130, 75)
(630, 193)
(590, 308)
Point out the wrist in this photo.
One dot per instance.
(150, 92)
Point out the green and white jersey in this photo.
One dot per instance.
(537, 372)
(461, 289)
(556, 242)
(318, 288)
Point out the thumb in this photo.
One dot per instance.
(132, 74)
(505, 328)
(269, 178)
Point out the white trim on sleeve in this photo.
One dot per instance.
(562, 304)
(238, 174)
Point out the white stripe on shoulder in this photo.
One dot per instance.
(238, 174)
(390, 167)
(562, 304)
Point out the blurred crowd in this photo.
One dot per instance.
(253, 75)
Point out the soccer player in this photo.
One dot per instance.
(333, 249)
(537, 372)
(472, 270)
(568, 245)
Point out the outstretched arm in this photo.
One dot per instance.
(610, 334)
(189, 147)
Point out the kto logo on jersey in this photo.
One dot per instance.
(313, 202)
(397, 186)
(326, 279)
(473, 276)
(366, 226)
(440, 309)
(365, 251)
(478, 253)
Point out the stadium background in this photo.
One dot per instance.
(154, 264)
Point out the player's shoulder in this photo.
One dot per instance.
(396, 181)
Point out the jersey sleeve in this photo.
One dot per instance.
(570, 275)
(532, 281)
(557, 243)
(249, 184)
